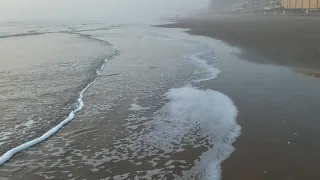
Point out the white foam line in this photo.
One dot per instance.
(9, 154)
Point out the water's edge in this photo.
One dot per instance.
(80, 104)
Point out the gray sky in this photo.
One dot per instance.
(94, 9)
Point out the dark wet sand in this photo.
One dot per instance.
(278, 106)
(287, 41)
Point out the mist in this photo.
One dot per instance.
(129, 10)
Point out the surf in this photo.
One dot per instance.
(80, 104)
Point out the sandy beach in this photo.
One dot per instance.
(238, 101)
(146, 115)
(287, 41)
(274, 82)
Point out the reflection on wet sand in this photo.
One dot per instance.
(308, 73)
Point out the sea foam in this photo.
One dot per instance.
(80, 104)
(209, 113)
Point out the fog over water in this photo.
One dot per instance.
(98, 10)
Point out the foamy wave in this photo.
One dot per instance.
(19, 35)
(192, 118)
(80, 104)
(207, 61)
(137, 107)
(206, 113)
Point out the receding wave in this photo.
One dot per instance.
(34, 33)
(20, 35)
(208, 114)
(80, 104)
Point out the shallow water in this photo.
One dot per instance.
(145, 117)
(40, 82)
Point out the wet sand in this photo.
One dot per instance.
(278, 105)
(123, 131)
(286, 41)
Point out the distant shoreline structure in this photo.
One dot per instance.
(254, 5)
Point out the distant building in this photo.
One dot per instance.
(227, 5)
(258, 4)
(273, 4)
(300, 4)
(253, 5)
(245, 5)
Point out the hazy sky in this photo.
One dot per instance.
(94, 9)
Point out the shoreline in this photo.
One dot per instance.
(129, 129)
(286, 41)
(126, 128)
(275, 91)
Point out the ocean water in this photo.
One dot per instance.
(102, 101)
